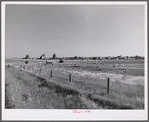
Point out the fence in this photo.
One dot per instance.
(45, 71)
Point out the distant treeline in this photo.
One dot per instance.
(43, 57)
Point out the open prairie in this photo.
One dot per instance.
(133, 67)
(71, 86)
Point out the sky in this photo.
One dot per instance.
(74, 30)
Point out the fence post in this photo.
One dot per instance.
(108, 81)
(124, 75)
(24, 67)
(51, 74)
(69, 77)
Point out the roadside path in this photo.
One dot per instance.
(28, 92)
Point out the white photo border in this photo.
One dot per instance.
(59, 114)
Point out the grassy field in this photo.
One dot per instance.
(125, 92)
(124, 61)
(26, 91)
(106, 61)
(134, 67)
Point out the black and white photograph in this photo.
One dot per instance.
(74, 60)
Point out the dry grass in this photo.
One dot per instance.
(43, 95)
(125, 93)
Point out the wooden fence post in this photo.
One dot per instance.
(108, 81)
(24, 67)
(51, 74)
(69, 77)
(124, 75)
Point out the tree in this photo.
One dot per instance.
(94, 58)
(54, 56)
(127, 57)
(82, 58)
(99, 58)
(76, 57)
(43, 56)
(27, 56)
(106, 58)
(61, 60)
